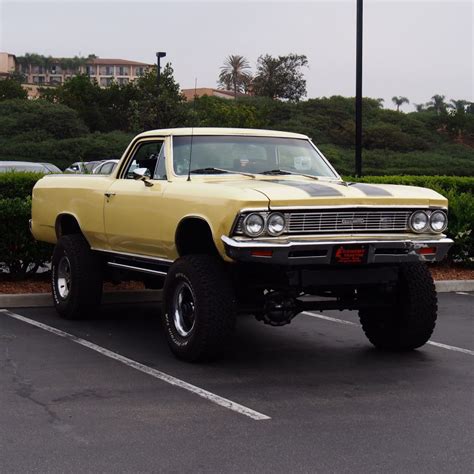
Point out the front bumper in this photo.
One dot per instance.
(304, 252)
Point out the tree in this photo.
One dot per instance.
(84, 96)
(235, 74)
(10, 88)
(420, 107)
(437, 104)
(280, 78)
(399, 101)
(150, 110)
(458, 105)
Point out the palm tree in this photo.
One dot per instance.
(458, 105)
(437, 103)
(420, 107)
(398, 101)
(235, 73)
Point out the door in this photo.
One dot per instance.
(133, 210)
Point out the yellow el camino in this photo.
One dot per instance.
(234, 220)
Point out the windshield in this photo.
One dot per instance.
(248, 155)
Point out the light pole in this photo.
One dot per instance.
(159, 55)
(358, 100)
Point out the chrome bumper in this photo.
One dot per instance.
(303, 252)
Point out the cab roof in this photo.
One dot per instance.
(250, 132)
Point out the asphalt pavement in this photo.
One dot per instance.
(106, 395)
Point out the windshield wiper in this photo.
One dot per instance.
(280, 172)
(212, 170)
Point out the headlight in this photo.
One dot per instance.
(438, 221)
(254, 225)
(275, 224)
(419, 221)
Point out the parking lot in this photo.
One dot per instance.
(106, 395)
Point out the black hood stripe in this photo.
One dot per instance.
(370, 189)
(312, 189)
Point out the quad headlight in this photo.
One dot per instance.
(438, 221)
(423, 221)
(275, 223)
(419, 221)
(255, 224)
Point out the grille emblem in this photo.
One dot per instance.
(352, 221)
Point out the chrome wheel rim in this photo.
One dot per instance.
(63, 279)
(183, 309)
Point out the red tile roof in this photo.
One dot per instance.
(112, 62)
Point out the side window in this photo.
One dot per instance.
(160, 170)
(145, 156)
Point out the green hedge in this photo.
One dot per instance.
(459, 184)
(20, 253)
(14, 184)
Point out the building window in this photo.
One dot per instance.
(106, 81)
(55, 69)
(91, 70)
(38, 79)
(106, 70)
(139, 71)
(122, 71)
(122, 81)
(37, 70)
(55, 79)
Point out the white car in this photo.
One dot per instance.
(106, 167)
(45, 168)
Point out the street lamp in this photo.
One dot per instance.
(159, 55)
(358, 101)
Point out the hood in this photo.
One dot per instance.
(290, 191)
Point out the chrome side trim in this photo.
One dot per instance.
(136, 269)
(135, 255)
(362, 206)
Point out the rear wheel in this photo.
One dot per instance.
(409, 323)
(199, 307)
(76, 277)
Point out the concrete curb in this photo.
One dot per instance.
(445, 286)
(32, 300)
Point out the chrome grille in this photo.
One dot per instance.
(347, 221)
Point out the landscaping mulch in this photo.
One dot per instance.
(41, 284)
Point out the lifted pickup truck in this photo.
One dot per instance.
(232, 221)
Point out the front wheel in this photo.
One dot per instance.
(76, 277)
(409, 323)
(199, 308)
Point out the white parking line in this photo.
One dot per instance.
(432, 343)
(212, 397)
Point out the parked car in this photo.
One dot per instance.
(233, 221)
(82, 167)
(46, 168)
(106, 167)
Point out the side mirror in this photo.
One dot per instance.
(142, 174)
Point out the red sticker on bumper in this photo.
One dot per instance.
(350, 254)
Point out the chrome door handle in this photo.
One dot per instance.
(108, 195)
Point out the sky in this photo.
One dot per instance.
(413, 48)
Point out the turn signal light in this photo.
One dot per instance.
(427, 251)
(261, 253)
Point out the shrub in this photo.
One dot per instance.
(14, 184)
(20, 254)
